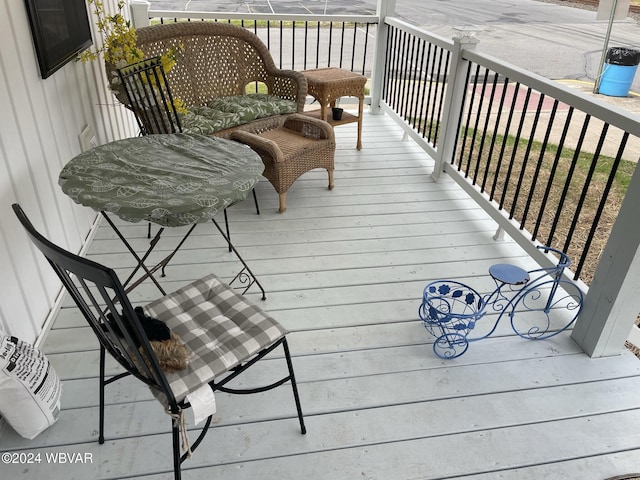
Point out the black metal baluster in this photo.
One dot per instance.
(603, 201)
(409, 97)
(366, 45)
(494, 136)
(567, 183)
(342, 44)
(330, 43)
(394, 70)
(474, 92)
(514, 151)
(460, 117)
(384, 94)
(306, 44)
(432, 80)
(552, 174)
(485, 131)
(418, 110)
(585, 187)
(353, 50)
(525, 160)
(441, 81)
(504, 139)
(318, 46)
(536, 173)
(293, 46)
(476, 127)
(400, 93)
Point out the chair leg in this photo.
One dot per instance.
(245, 275)
(330, 172)
(102, 385)
(175, 434)
(294, 386)
(255, 199)
(283, 202)
(226, 225)
(226, 218)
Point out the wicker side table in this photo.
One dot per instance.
(326, 85)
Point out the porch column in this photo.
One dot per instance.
(613, 301)
(385, 8)
(139, 13)
(455, 93)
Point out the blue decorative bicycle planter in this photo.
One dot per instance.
(539, 303)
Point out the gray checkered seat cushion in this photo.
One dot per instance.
(219, 326)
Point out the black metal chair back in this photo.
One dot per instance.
(147, 88)
(97, 291)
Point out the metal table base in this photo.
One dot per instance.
(243, 280)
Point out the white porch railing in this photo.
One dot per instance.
(295, 42)
(422, 80)
(493, 127)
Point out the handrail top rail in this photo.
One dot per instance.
(420, 33)
(263, 16)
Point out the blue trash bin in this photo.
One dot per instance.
(619, 71)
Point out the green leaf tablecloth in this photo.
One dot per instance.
(171, 180)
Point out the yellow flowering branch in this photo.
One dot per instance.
(119, 47)
(119, 37)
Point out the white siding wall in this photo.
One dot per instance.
(40, 121)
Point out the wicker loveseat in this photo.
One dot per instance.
(215, 65)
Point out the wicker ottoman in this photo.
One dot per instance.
(299, 144)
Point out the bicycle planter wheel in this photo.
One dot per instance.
(450, 311)
(546, 309)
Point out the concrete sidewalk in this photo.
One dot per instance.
(630, 103)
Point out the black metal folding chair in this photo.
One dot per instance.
(198, 313)
(147, 88)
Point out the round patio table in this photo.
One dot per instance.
(172, 180)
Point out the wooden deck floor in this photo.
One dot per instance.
(344, 271)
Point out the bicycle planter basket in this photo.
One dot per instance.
(450, 311)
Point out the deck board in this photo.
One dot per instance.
(344, 272)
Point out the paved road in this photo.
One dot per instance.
(556, 41)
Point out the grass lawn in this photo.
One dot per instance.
(588, 183)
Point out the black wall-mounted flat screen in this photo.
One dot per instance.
(60, 30)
